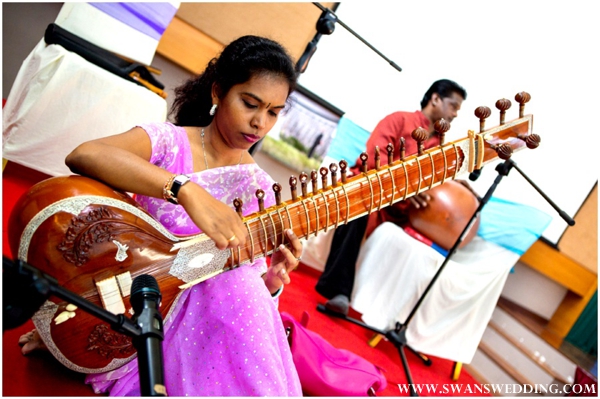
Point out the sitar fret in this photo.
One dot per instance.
(316, 214)
(326, 211)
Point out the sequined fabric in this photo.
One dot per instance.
(225, 336)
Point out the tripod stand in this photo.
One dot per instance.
(398, 335)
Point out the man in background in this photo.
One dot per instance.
(442, 101)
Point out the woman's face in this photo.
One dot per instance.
(250, 109)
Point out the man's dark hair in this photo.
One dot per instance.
(444, 88)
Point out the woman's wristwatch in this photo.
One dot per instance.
(173, 186)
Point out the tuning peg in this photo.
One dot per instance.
(260, 196)
(482, 113)
(503, 150)
(390, 153)
(237, 204)
(522, 98)
(277, 191)
(293, 184)
(343, 168)
(377, 158)
(303, 183)
(503, 104)
(402, 148)
(441, 127)
(364, 157)
(420, 135)
(531, 140)
(323, 171)
(333, 168)
(314, 181)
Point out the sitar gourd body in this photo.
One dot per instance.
(446, 215)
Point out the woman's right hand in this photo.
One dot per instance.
(215, 218)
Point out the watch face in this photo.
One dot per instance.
(178, 182)
(182, 179)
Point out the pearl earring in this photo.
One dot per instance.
(213, 110)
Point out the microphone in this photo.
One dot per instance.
(325, 26)
(145, 299)
(474, 175)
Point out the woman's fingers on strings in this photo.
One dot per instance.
(232, 241)
(296, 244)
(236, 239)
(229, 240)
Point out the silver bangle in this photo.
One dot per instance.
(277, 293)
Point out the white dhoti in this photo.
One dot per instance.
(393, 271)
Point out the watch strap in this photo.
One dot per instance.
(172, 187)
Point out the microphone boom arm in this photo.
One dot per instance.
(392, 63)
(45, 285)
(146, 331)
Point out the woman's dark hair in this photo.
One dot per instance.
(444, 88)
(242, 59)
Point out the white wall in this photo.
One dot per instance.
(494, 50)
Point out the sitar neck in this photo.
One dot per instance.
(341, 202)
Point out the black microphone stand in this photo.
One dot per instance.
(325, 9)
(326, 26)
(398, 335)
(40, 286)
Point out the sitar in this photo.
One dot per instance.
(95, 239)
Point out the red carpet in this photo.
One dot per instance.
(42, 375)
(301, 296)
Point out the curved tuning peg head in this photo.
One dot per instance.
(504, 150)
(333, 168)
(293, 184)
(314, 180)
(531, 140)
(260, 196)
(303, 183)
(237, 204)
(323, 171)
(364, 157)
(390, 153)
(441, 127)
(503, 104)
(482, 113)
(277, 191)
(522, 98)
(420, 135)
(343, 169)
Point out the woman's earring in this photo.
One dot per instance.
(213, 110)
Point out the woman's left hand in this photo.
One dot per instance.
(283, 261)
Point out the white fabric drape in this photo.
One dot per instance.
(394, 269)
(59, 100)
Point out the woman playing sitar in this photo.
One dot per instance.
(224, 336)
